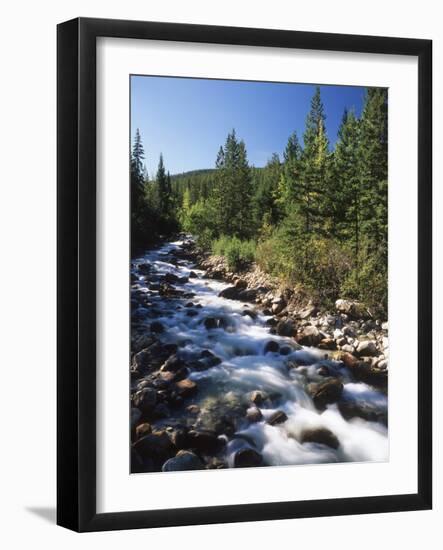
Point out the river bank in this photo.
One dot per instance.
(232, 371)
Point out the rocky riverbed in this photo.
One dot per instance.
(234, 371)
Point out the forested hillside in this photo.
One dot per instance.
(315, 217)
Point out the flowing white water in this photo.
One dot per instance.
(245, 368)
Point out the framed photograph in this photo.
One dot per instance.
(244, 274)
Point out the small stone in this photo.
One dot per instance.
(327, 343)
(143, 429)
(285, 328)
(309, 336)
(183, 461)
(172, 364)
(247, 458)
(205, 441)
(320, 435)
(258, 397)
(254, 414)
(145, 400)
(210, 323)
(367, 348)
(271, 347)
(277, 417)
(326, 393)
(186, 388)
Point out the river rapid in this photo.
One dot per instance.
(254, 398)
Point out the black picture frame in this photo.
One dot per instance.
(76, 265)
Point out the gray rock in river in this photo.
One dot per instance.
(183, 461)
(309, 336)
(286, 328)
(145, 400)
(247, 458)
(271, 347)
(367, 348)
(277, 417)
(326, 393)
(320, 435)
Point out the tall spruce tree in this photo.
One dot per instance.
(373, 168)
(289, 185)
(314, 189)
(162, 188)
(346, 183)
(233, 189)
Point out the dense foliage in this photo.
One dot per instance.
(316, 218)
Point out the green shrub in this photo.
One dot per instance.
(238, 253)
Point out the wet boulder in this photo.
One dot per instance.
(309, 336)
(278, 305)
(155, 448)
(143, 429)
(247, 458)
(325, 393)
(327, 343)
(210, 323)
(191, 313)
(320, 435)
(258, 397)
(353, 309)
(254, 414)
(309, 311)
(349, 360)
(230, 293)
(277, 417)
(204, 441)
(170, 278)
(374, 376)
(178, 436)
(250, 313)
(209, 359)
(367, 348)
(286, 328)
(247, 295)
(271, 347)
(145, 400)
(355, 409)
(186, 388)
(183, 461)
(173, 364)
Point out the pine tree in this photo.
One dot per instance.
(345, 182)
(162, 188)
(137, 171)
(267, 180)
(233, 189)
(314, 199)
(289, 184)
(373, 167)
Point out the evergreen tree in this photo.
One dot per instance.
(162, 188)
(345, 182)
(137, 171)
(373, 168)
(289, 189)
(314, 200)
(266, 185)
(233, 190)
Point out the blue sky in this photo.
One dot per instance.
(187, 119)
